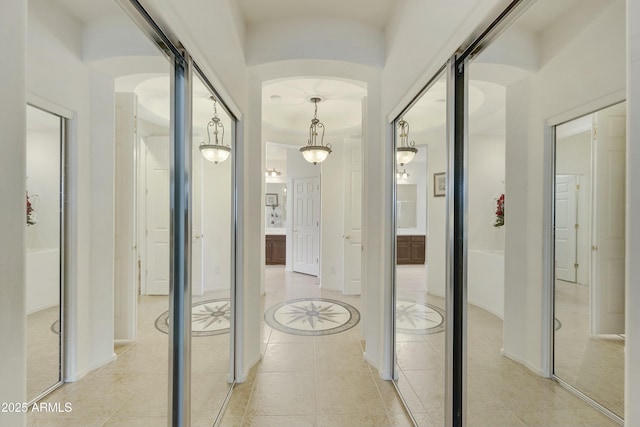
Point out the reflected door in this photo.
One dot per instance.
(306, 214)
(566, 231)
(157, 219)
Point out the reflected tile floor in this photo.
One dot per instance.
(501, 392)
(132, 390)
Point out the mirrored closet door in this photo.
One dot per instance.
(44, 254)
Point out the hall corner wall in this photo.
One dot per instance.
(57, 75)
(632, 344)
(559, 88)
(13, 26)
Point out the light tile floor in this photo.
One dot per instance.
(318, 381)
(312, 380)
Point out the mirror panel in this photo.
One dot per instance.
(44, 253)
(211, 256)
(589, 325)
(420, 260)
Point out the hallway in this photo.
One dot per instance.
(312, 380)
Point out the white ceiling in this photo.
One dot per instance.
(376, 13)
(286, 105)
(86, 10)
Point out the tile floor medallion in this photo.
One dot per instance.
(312, 316)
(418, 319)
(210, 317)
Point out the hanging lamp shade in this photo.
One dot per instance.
(214, 149)
(215, 153)
(315, 152)
(406, 150)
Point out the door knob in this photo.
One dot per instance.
(347, 237)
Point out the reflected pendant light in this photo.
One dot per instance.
(316, 153)
(402, 175)
(406, 150)
(272, 173)
(215, 151)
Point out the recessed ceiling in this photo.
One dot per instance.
(286, 105)
(154, 105)
(376, 13)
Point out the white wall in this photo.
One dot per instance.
(436, 221)
(216, 225)
(43, 185)
(13, 370)
(560, 87)
(632, 343)
(573, 157)
(486, 184)
(43, 238)
(417, 171)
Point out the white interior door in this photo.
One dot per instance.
(197, 282)
(566, 227)
(306, 225)
(609, 221)
(157, 216)
(353, 217)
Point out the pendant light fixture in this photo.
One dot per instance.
(316, 153)
(215, 151)
(406, 150)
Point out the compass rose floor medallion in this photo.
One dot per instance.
(416, 318)
(209, 317)
(312, 316)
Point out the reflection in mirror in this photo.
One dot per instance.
(44, 250)
(275, 205)
(420, 258)
(212, 229)
(589, 255)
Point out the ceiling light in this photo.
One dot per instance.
(406, 150)
(272, 173)
(313, 152)
(215, 152)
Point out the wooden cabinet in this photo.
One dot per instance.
(411, 249)
(276, 250)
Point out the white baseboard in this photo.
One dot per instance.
(80, 374)
(243, 376)
(529, 366)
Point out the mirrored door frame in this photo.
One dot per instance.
(456, 177)
(183, 68)
(549, 241)
(64, 116)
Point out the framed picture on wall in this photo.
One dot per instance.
(271, 199)
(439, 184)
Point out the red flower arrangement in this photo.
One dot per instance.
(30, 212)
(499, 211)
